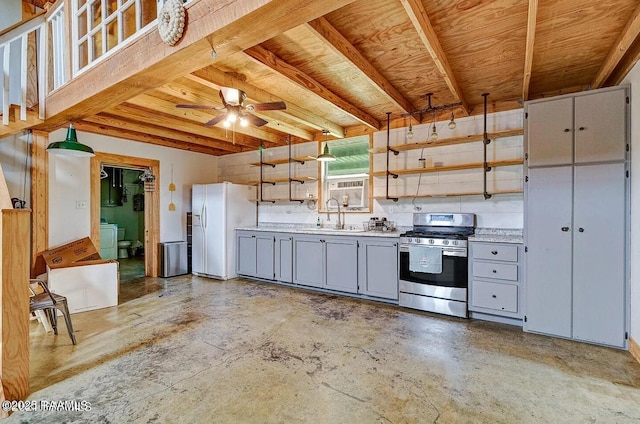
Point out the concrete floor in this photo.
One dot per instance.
(194, 350)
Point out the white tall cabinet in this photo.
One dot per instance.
(576, 216)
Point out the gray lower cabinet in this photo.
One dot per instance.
(255, 255)
(495, 274)
(378, 267)
(326, 262)
(284, 258)
(357, 265)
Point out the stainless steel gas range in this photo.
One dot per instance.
(434, 263)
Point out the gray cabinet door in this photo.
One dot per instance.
(549, 256)
(378, 268)
(265, 256)
(246, 255)
(599, 254)
(284, 259)
(550, 133)
(308, 261)
(341, 256)
(600, 126)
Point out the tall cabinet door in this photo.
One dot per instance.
(548, 265)
(599, 254)
(550, 133)
(600, 127)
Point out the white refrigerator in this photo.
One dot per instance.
(217, 209)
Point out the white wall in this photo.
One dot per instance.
(16, 165)
(634, 79)
(69, 183)
(501, 211)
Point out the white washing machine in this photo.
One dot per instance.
(109, 241)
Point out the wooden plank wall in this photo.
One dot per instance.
(39, 201)
(14, 302)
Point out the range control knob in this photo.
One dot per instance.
(454, 242)
(431, 241)
(445, 242)
(409, 239)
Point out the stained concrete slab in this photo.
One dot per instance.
(189, 349)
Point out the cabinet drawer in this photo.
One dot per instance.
(496, 252)
(501, 297)
(495, 270)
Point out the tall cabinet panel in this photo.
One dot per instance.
(550, 133)
(600, 127)
(576, 218)
(549, 257)
(599, 254)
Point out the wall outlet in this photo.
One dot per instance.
(81, 204)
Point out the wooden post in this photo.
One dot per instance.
(39, 200)
(14, 302)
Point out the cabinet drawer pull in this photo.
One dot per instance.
(495, 271)
(567, 130)
(581, 229)
(582, 128)
(565, 229)
(494, 252)
(494, 296)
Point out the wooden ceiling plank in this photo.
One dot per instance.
(264, 56)
(144, 138)
(528, 53)
(207, 98)
(340, 45)
(170, 133)
(227, 27)
(215, 78)
(422, 24)
(169, 108)
(168, 121)
(626, 39)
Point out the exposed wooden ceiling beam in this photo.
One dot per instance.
(340, 45)
(160, 119)
(528, 53)
(627, 37)
(170, 133)
(289, 71)
(225, 27)
(145, 138)
(422, 24)
(215, 78)
(169, 108)
(193, 93)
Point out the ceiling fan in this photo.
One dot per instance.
(234, 110)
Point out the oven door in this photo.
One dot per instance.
(454, 273)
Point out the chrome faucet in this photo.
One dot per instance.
(339, 224)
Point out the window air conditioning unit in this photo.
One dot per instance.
(353, 190)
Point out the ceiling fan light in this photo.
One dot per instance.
(226, 123)
(231, 95)
(232, 117)
(244, 122)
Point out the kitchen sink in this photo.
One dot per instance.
(336, 230)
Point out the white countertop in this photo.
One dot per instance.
(498, 235)
(325, 231)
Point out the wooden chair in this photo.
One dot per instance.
(49, 303)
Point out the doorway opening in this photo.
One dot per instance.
(140, 212)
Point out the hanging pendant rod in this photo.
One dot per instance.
(430, 108)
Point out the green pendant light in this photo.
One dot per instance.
(70, 146)
(325, 156)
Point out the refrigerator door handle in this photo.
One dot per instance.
(204, 216)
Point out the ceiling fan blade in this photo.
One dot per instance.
(267, 106)
(197, 107)
(254, 120)
(215, 120)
